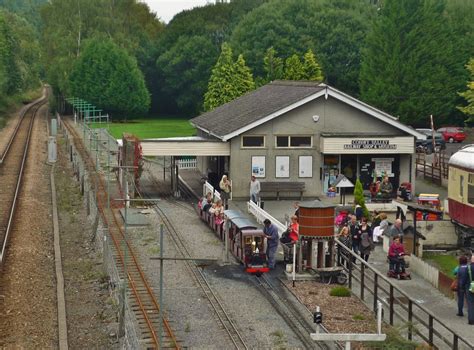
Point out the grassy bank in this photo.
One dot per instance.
(151, 128)
(443, 262)
(11, 104)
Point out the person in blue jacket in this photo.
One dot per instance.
(465, 278)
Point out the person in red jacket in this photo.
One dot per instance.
(395, 256)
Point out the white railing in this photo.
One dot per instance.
(208, 188)
(260, 215)
(187, 163)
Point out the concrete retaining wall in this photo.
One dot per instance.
(438, 233)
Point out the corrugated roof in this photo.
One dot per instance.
(254, 105)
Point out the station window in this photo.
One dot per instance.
(470, 194)
(253, 141)
(294, 141)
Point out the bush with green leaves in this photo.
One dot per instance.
(340, 291)
(359, 198)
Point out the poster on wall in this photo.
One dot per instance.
(306, 166)
(258, 166)
(282, 166)
(383, 166)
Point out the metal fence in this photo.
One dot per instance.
(372, 286)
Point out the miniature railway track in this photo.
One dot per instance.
(143, 301)
(12, 164)
(218, 307)
(300, 326)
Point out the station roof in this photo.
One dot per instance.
(185, 146)
(272, 100)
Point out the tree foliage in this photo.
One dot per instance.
(107, 76)
(68, 23)
(335, 30)
(294, 69)
(27, 9)
(410, 66)
(469, 94)
(312, 69)
(228, 81)
(19, 55)
(210, 25)
(359, 197)
(272, 65)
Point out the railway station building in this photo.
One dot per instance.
(304, 132)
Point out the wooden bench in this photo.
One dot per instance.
(282, 186)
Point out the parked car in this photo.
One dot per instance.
(452, 134)
(427, 145)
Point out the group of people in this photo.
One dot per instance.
(464, 273)
(356, 234)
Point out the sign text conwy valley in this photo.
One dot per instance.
(370, 144)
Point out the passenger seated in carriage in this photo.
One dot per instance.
(206, 202)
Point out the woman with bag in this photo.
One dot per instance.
(456, 285)
(225, 191)
(366, 242)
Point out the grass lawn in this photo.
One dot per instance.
(444, 262)
(151, 128)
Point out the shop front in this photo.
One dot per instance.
(368, 159)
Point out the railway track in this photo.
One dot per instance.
(142, 299)
(12, 164)
(214, 300)
(297, 322)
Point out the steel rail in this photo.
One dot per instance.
(294, 320)
(35, 106)
(112, 222)
(214, 300)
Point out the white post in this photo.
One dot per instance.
(379, 317)
(294, 264)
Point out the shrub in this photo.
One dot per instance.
(340, 292)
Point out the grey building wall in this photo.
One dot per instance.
(335, 117)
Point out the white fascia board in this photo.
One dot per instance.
(273, 115)
(387, 118)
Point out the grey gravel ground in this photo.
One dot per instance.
(191, 314)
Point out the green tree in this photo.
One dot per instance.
(409, 65)
(221, 88)
(272, 65)
(359, 197)
(311, 67)
(228, 81)
(294, 69)
(469, 94)
(107, 76)
(244, 78)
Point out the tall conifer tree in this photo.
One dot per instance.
(294, 69)
(228, 80)
(312, 69)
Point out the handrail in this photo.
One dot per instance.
(410, 299)
(261, 215)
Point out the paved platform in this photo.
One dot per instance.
(418, 288)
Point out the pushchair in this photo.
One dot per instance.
(397, 268)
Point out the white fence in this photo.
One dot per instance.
(428, 272)
(187, 163)
(260, 215)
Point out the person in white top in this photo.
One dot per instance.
(254, 189)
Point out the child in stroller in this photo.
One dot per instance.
(396, 254)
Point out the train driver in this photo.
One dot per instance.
(271, 233)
